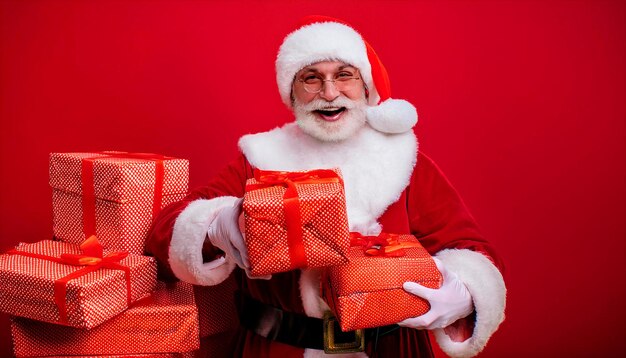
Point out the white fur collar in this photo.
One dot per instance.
(376, 167)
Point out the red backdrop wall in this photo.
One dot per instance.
(522, 103)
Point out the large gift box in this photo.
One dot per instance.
(217, 312)
(114, 195)
(295, 220)
(367, 291)
(165, 322)
(79, 286)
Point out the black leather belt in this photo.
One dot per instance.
(305, 332)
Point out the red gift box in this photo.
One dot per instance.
(295, 220)
(154, 355)
(114, 195)
(216, 307)
(367, 291)
(165, 322)
(72, 285)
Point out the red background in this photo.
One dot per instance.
(522, 104)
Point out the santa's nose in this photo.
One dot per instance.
(329, 92)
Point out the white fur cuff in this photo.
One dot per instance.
(484, 281)
(190, 230)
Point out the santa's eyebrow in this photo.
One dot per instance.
(314, 70)
(306, 72)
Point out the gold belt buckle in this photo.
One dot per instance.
(332, 347)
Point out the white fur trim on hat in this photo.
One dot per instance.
(486, 285)
(325, 41)
(190, 231)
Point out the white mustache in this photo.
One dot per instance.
(320, 104)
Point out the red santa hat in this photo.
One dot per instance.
(322, 38)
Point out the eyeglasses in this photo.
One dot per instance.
(314, 84)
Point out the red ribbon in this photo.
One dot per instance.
(93, 260)
(88, 191)
(385, 244)
(291, 202)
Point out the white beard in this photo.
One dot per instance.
(352, 119)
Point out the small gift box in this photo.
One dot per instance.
(367, 291)
(295, 220)
(113, 195)
(165, 322)
(79, 286)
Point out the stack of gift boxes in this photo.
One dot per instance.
(91, 292)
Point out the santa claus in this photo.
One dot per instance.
(339, 93)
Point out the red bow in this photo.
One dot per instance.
(268, 178)
(93, 260)
(384, 244)
(92, 255)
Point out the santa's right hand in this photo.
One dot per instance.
(224, 233)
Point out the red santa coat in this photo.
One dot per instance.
(389, 186)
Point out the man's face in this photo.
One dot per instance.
(334, 111)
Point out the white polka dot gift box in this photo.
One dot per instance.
(114, 195)
(80, 286)
(367, 292)
(217, 312)
(165, 322)
(150, 355)
(295, 220)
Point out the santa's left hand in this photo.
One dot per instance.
(450, 302)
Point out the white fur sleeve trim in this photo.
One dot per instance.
(484, 281)
(190, 230)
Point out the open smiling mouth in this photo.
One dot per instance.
(330, 114)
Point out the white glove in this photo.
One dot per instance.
(450, 302)
(224, 233)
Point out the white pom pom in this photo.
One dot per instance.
(392, 116)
